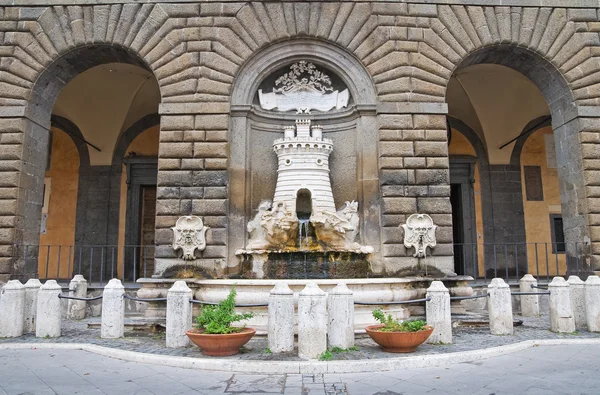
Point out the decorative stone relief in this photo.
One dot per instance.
(419, 233)
(303, 88)
(189, 235)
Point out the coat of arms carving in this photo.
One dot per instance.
(189, 235)
(419, 233)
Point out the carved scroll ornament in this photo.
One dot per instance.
(189, 235)
(419, 233)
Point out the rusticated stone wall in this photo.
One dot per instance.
(195, 50)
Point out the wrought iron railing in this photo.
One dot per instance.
(97, 263)
(482, 261)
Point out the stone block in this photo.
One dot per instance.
(209, 207)
(432, 176)
(32, 288)
(431, 148)
(12, 308)
(175, 178)
(215, 192)
(210, 150)
(281, 319)
(192, 164)
(49, 312)
(176, 122)
(428, 205)
(415, 163)
(530, 304)
(179, 315)
(211, 122)
(395, 177)
(176, 150)
(578, 301)
(500, 308)
(395, 121)
(78, 289)
(216, 135)
(396, 148)
(215, 164)
(169, 164)
(592, 307)
(171, 136)
(340, 307)
(400, 205)
(113, 310)
(427, 10)
(211, 178)
(312, 322)
(561, 308)
(438, 313)
(194, 135)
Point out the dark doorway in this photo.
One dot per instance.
(464, 231)
(303, 204)
(140, 217)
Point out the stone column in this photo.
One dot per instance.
(530, 304)
(32, 287)
(577, 301)
(340, 307)
(113, 310)
(438, 313)
(312, 322)
(179, 314)
(561, 310)
(281, 319)
(500, 308)
(592, 305)
(49, 314)
(12, 306)
(78, 289)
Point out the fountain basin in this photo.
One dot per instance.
(367, 290)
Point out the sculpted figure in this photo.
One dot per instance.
(350, 213)
(258, 234)
(419, 233)
(189, 235)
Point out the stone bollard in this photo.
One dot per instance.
(437, 312)
(12, 306)
(500, 308)
(312, 322)
(530, 304)
(340, 307)
(78, 289)
(281, 319)
(577, 301)
(561, 310)
(113, 310)
(32, 287)
(592, 304)
(49, 314)
(179, 314)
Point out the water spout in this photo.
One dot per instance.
(302, 230)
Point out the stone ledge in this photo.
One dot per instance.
(520, 3)
(303, 367)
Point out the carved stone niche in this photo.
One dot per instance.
(189, 235)
(419, 233)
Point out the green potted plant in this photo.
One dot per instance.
(213, 332)
(395, 336)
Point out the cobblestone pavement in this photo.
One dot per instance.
(464, 339)
(572, 369)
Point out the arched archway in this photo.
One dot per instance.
(37, 112)
(354, 170)
(566, 124)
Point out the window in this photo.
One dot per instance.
(558, 235)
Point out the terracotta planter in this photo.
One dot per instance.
(220, 345)
(398, 341)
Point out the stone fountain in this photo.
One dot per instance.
(299, 236)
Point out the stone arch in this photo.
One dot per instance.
(130, 134)
(272, 58)
(566, 124)
(529, 129)
(360, 118)
(75, 134)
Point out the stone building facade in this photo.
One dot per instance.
(209, 59)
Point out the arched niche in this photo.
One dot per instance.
(353, 129)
